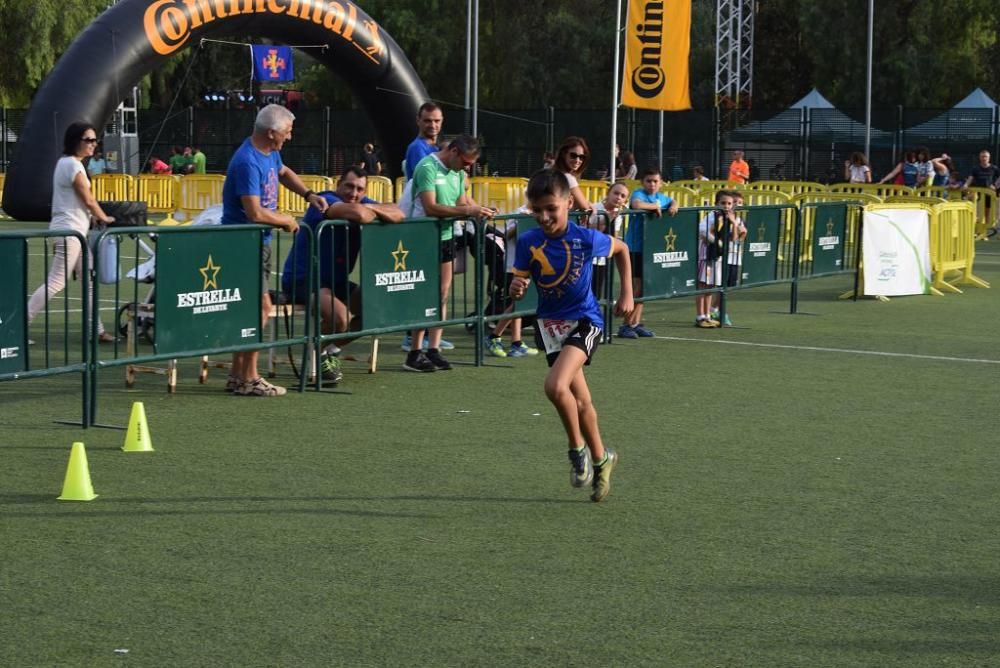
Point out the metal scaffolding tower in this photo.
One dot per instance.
(734, 54)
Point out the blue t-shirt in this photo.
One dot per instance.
(633, 235)
(561, 269)
(336, 261)
(909, 174)
(415, 152)
(250, 172)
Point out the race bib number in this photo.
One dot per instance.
(555, 332)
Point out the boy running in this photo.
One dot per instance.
(557, 256)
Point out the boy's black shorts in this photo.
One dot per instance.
(584, 336)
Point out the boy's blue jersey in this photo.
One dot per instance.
(634, 232)
(561, 270)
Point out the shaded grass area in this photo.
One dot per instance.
(774, 506)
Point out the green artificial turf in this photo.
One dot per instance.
(794, 503)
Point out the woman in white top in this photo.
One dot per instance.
(571, 159)
(72, 205)
(856, 170)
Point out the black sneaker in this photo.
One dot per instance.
(418, 362)
(440, 363)
(331, 369)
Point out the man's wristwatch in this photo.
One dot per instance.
(307, 194)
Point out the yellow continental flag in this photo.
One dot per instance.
(657, 43)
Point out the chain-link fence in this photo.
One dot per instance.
(797, 144)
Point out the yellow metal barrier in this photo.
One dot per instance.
(708, 185)
(985, 201)
(197, 192)
(876, 189)
(506, 194)
(593, 190)
(787, 187)
(400, 185)
(113, 187)
(158, 191)
(634, 184)
(953, 245)
(380, 189)
(294, 204)
(683, 196)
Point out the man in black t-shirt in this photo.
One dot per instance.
(985, 175)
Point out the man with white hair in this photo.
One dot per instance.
(250, 195)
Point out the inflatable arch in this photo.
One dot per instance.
(135, 36)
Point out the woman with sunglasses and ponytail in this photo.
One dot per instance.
(572, 159)
(73, 204)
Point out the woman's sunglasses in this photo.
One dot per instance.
(576, 156)
(89, 140)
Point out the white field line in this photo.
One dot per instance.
(844, 351)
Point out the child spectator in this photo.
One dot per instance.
(648, 198)
(607, 218)
(501, 235)
(734, 259)
(569, 318)
(856, 170)
(710, 242)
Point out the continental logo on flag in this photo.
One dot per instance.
(657, 44)
(169, 23)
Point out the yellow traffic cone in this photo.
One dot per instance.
(77, 485)
(137, 437)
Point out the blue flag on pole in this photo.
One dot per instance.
(272, 63)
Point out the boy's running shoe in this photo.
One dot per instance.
(418, 362)
(440, 363)
(627, 332)
(602, 477)
(727, 321)
(444, 345)
(522, 350)
(581, 472)
(330, 367)
(642, 331)
(494, 347)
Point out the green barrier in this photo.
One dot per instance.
(670, 254)
(13, 306)
(16, 361)
(399, 279)
(760, 248)
(401, 274)
(208, 289)
(830, 226)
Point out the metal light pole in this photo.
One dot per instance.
(868, 91)
(475, 70)
(614, 92)
(468, 60)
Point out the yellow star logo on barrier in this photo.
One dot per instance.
(399, 257)
(671, 240)
(213, 269)
(762, 232)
